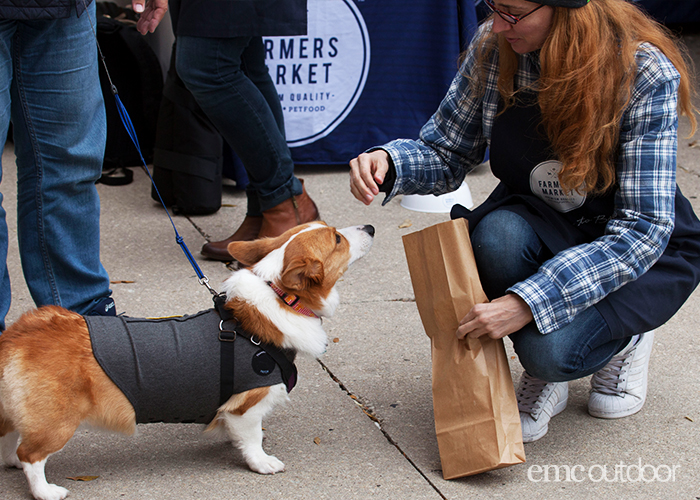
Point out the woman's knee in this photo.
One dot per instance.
(506, 250)
(542, 358)
(504, 234)
(576, 350)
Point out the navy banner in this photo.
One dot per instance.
(367, 72)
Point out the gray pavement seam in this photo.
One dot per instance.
(198, 229)
(370, 413)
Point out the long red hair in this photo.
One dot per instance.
(587, 75)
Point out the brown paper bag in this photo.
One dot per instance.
(476, 414)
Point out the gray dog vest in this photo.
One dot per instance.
(170, 368)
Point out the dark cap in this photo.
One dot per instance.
(572, 4)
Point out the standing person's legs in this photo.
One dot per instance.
(254, 67)
(211, 68)
(245, 113)
(60, 130)
(7, 31)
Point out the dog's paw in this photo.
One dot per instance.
(50, 492)
(265, 464)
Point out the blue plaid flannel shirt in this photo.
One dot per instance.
(455, 139)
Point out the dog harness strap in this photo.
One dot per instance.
(227, 337)
(229, 331)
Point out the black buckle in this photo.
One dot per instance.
(227, 335)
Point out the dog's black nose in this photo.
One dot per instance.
(368, 229)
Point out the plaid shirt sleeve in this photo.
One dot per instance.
(451, 143)
(639, 230)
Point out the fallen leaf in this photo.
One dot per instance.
(694, 144)
(688, 418)
(405, 224)
(83, 478)
(370, 415)
(336, 340)
(115, 282)
(228, 205)
(317, 440)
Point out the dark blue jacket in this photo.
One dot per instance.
(29, 10)
(233, 18)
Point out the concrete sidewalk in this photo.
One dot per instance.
(360, 421)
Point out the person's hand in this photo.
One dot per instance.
(366, 172)
(152, 11)
(498, 318)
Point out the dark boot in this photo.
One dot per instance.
(291, 212)
(217, 250)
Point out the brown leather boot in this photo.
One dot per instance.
(248, 231)
(291, 212)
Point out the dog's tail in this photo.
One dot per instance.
(217, 427)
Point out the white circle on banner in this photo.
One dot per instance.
(320, 76)
(544, 183)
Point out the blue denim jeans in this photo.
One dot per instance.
(507, 250)
(231, 83)
(49, 88)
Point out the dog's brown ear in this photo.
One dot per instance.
(302, 273)
(249, 253)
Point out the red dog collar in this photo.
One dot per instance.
(292, 301)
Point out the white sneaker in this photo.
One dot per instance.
(620, 389)
(538, 402)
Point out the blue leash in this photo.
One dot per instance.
(129, 126)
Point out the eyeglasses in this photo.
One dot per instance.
(509, 18)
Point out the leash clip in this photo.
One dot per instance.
(205, 282)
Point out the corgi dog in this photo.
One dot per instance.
(56, 373)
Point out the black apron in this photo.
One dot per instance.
(521, 158)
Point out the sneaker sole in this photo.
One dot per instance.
(611, 415)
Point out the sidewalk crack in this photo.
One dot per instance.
(198, 229)
(374, 301)
(369, 411)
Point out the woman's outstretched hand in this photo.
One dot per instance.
(367, 172)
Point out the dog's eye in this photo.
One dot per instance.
(337, 239)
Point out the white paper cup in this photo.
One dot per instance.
(438, 204)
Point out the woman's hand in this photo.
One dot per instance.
(367, 171)
(498, 318)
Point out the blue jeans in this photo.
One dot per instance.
(507, 250)
(50, 89)
(231, 83)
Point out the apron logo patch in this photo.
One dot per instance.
(544, 183)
